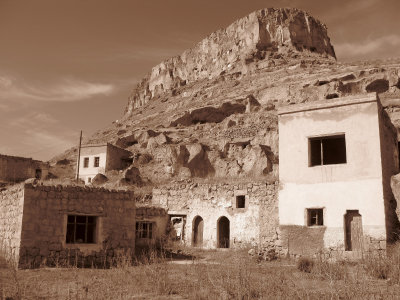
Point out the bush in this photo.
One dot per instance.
(305, 264)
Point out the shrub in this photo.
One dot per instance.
(305, 264)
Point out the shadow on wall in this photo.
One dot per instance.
(301, 239)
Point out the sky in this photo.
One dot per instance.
(69, 65)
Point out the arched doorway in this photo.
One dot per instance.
(197, 232)
(223, 232)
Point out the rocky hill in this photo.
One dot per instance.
(210, 113)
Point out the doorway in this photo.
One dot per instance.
(353, 231)
(223, 232)
(38, 173)
(197, 232)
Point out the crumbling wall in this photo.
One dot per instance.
(16, 169)
(117, 158)
(11, 210)
(253, 225)
(44, 225)
(390, 167)
(160, 219)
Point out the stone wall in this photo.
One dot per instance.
(44, 225)
(253, 225)
(390, 167)
(117, 158)
(16, 169)
(11, 210)
(245, 40)
(160, 219)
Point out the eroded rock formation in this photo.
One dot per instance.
(228, 50)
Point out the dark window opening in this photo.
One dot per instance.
(81, 229)
(240, 201)
(144, 230)
(96, 161)
(89, 180)
(398, 148)
(315, 217)
(38, 173)
(327, 150)
(86, 162)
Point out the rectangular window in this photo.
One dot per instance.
(327, 150)
(144, 230)
(81, 229)
(96, 161)
(241, 201)
(315, 217)
(86, 162)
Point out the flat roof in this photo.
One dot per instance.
(328, 103)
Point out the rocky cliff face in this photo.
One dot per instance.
(210, 114)
(231, 49)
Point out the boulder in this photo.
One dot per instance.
(99, 179)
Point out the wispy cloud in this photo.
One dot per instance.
(65, 90)
(367, 47)
(33, 120)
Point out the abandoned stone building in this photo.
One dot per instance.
(15, 169)
(151, 225)
(65, 225)
(101, 158)
(336, 159)
(222, 215)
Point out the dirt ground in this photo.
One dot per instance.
(208, 275)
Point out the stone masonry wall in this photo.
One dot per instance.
(159, 217)
(16, 169)
(11, 210)
(253, 225)
(44, 225)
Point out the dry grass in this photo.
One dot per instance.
(212, 275)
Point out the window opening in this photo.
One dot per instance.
(81, 229)
(144, 230)
(315, 217)
(86, 162)
(96, 161)
(327, 150)
(241, 201)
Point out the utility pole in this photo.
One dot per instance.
(79, 158)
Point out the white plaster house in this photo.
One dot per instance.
(101, 158)
(335, 162)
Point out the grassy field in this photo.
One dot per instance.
(210, 275)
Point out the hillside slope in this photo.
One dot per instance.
(210, 113)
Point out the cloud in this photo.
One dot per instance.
(368, 47)
(33, 120)
(66, 90)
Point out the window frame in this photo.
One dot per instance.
(96, 162)
(87, 224)
(319, 217)
(142, 233)
(321, 138)
(86, 162)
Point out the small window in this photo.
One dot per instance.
(327, 150)
(81, 229)
(241, 201)
(86, 162)
(315, 217)
(89, 180)
(96, 161)
(144, 230)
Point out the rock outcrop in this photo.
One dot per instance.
(228, 50)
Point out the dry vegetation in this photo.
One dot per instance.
(211, 275)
